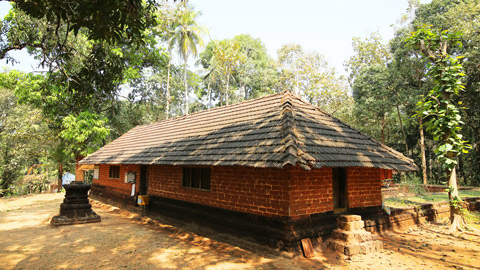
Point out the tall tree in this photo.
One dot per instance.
(374, 108)
(310, 76)
(227, 58)
(456, 16)
(464, 16)
(188, 38)
(409, 71)
(379, 92)
(289, 60)
(257, 75)
(84, 75)
(24, 136)
(167, 22)
(367, 52)
(254, 74)
(439, 106)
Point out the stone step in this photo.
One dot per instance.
(350, 249)
(348, 218)
(351, 225)
(357, 236)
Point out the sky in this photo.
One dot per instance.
(323, 26)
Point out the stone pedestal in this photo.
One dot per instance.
(350, 238)
(76, 208)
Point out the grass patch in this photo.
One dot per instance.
(473, 219)
(407, 202)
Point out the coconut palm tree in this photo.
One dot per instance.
(167, 18)
(187, 37)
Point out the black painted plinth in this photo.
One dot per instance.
(75, 208)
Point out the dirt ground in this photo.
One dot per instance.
(124, 240)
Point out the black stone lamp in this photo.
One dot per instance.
(75, 208)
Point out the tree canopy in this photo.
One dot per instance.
(113, 65)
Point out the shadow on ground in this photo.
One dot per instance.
(126, 240)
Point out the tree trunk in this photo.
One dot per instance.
(226, 92)
(403, 129)
(59, 176)
(296, 82)
(185, 85)
(422, 150)
(167, 109)
(220, 92)
(209, 95)
(245, 92)
(461, 173)
(456, 218)
(382, 131)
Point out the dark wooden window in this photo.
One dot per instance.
(196, 178)
(114, 172)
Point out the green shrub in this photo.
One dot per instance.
(411, 183)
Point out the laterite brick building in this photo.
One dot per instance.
(276, 169)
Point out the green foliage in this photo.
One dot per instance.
(388, 80)
(379, 93)
(256, 76)
(28, 184)
(456, 203)
(252, 74)
(24, 137)
(411, 201)
(368, 52)
(85, 132)
(412, 184)
(187, 37)
(372, 92)
(166, 26)
(443, 118)
(226, 59)
(459, 16)
(309, 75)
(84, 75)
(107, 20)
(187, 34)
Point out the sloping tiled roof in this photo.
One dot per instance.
(272, 131)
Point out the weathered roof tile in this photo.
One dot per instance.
(272, 131)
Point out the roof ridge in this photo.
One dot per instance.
(292, 152)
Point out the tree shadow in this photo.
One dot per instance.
(419, 248)
(121, 241)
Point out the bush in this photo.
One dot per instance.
(35, 183)
(412, 184)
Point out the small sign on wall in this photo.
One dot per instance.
(130, 177)
(96, 172)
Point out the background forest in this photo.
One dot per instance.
(106, 75)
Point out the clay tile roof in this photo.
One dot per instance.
(272, 131)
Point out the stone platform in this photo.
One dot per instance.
(350, 238)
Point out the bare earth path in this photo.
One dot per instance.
(123, 240)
